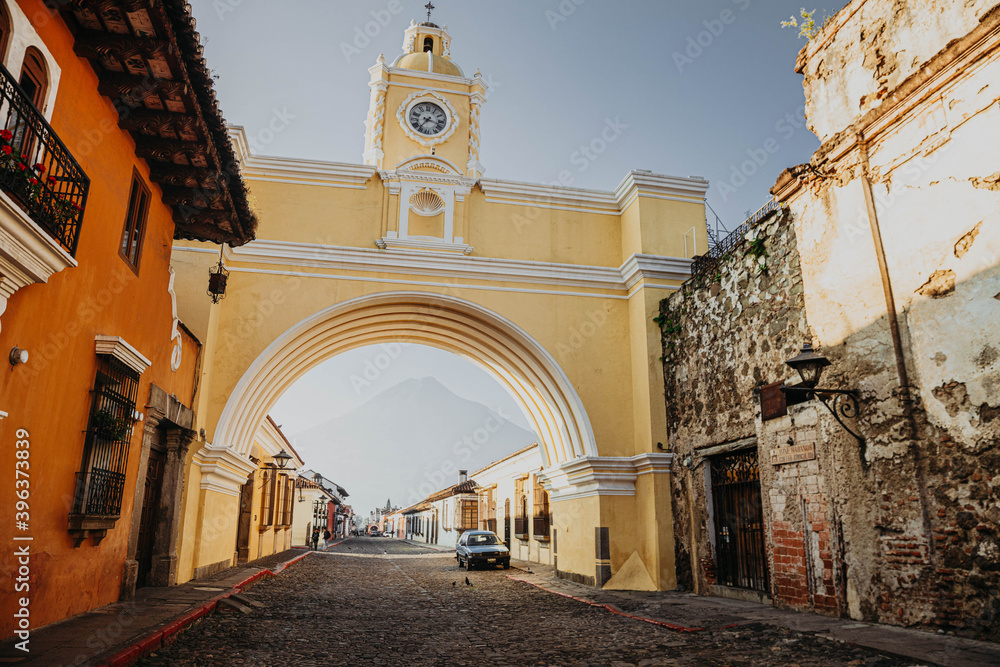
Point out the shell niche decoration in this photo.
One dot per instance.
(426, 202)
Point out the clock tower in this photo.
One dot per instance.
(422, 133)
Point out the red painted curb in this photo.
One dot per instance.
(610, 608)
(162, 636)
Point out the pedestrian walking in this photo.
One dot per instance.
(315, 538)
(326, 538)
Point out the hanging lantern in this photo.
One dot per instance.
(218, 276)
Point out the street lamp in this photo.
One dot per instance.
(809, 365)
(282, 458)
(840, 402)
(218, 276)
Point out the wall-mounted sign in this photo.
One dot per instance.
(793, 454)
(772, 402)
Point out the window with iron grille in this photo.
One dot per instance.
(281, 499)
(268, 480)
(520, 510)
(101, 479)
(540, 499)
(470, 515)
(289, 500)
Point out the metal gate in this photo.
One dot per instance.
(739, 521)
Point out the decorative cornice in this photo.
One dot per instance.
(635, 184)
(291, 170)
(431, 76)
(548, 196)
(118, 348)
(409, 257)
(601, 475)
(659, 186)
(222, 470)
(645, 267)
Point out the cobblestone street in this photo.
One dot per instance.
(384, 602)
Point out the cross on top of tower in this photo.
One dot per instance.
(429, 7)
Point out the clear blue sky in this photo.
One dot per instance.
(701, 84)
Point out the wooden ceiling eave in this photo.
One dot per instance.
(141, 67)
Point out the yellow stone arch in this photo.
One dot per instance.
(455, 325)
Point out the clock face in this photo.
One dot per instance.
(428, 119)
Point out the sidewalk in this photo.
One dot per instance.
(685, 612)
(434, 547)
(121, 633)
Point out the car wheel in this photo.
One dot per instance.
(468, 565)
(506, 566)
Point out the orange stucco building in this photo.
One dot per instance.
(108, 106)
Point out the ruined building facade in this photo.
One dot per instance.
(883, 253)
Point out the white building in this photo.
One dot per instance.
(513, 504)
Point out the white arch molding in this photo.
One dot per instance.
(502, 348)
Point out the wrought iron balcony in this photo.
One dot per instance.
(37, 171)
(540, 527)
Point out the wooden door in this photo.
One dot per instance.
(147, 520)
(246, 514)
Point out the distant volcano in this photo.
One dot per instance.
(407, 442)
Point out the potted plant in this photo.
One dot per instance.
(110, 427)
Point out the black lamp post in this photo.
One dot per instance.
(840, 402)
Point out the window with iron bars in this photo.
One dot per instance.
(101, 479)
(520, 510)
(289, 501)
(541, 520)
(281, 500)
(267, 488)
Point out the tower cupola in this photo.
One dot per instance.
(427, 48)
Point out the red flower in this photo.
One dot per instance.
(6, 150)
(24, 156)
(33, 181)
(40, 167)
(6, 135)
(23, 166)
(52, 179)
(76, 207)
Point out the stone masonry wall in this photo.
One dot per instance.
(725, 335)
